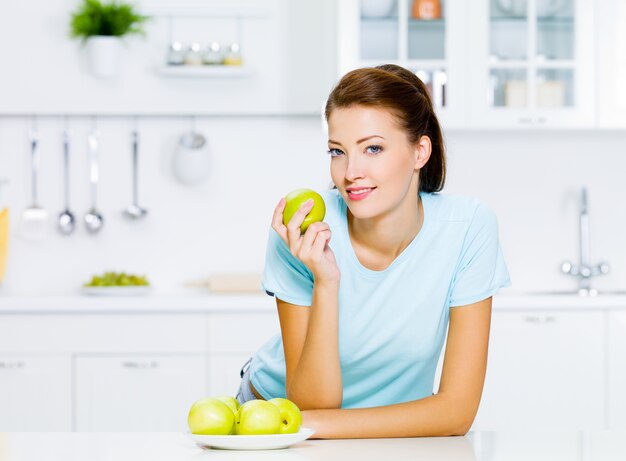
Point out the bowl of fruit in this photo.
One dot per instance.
(220, 422)
(116, 284)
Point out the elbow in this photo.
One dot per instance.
(315, 402)
(462, 425)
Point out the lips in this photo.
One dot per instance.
(359, 193)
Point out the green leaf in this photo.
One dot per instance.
(115, 18)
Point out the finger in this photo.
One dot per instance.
(319, 245)
(310, 235)
(277, 220)
(293, 228)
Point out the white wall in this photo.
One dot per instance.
(531, 180)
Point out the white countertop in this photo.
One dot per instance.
(251, 302)
(476, 446)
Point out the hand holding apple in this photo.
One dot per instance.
(294, 201)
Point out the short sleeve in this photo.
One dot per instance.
(481, 271)
(285, 276)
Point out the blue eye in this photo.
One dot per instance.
(374, 149)
(335, 152)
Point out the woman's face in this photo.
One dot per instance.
(373, 164)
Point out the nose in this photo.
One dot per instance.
(354, 170)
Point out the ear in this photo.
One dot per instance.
(423, 149)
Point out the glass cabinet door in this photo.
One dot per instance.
(537, 62)
(415, 34)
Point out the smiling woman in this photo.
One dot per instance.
(365, 297)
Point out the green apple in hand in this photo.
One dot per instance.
(257, 417)
(210, 416)
(291, 418)
(295, 199)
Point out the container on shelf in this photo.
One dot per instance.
(213, 55)
(176, 54)
(193, 57)
(233, 56)
(426, 9)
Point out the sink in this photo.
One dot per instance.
(591, 293)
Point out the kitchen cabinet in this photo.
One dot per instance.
(233, 339)
(137, 392)
(611, 63)
(531, 64)
(35, 392)
(617, 370)
(546, 369)
(489, 64)
(434, 49)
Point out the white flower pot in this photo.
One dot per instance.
(104, 54)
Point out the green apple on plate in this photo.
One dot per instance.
(295, 199)
(256, 417)
(291, 418)
(230, 401)
(210, 416)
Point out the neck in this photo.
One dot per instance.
(388, 235)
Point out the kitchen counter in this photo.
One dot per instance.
(251, 302)
(476, 446)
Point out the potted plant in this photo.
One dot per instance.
(101, 26)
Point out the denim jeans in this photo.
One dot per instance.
(245, 392)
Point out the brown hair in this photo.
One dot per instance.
(401, 91)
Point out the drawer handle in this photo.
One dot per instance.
(140, 365)
(12, 365)
(525, 120)
(540, 319)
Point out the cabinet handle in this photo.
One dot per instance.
(140, 365)
(12, 365)
(525, 120)
(541, 120)
(540, 319)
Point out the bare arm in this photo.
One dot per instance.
(310, 335)
(450, 412)
(310, 341)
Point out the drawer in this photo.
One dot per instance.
(241, 333)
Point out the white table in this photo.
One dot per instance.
(476, 446)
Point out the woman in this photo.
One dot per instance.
(365, 298)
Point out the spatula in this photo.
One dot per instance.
(34, 218)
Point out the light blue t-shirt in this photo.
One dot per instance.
(392, 323)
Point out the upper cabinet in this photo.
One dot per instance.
(489, 63)
(611, 63)
(425, 36)
(532, 63)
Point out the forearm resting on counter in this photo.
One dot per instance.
(437, 415)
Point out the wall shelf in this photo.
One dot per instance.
(205, 71)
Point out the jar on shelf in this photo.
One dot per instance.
(213, 54)
(233, 56)
(426, 9)
(175, 54)
(193, 57)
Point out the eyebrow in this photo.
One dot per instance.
(330, 141)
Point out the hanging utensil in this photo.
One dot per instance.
(93, 219)
(134, 211)
(67, 221)
(34, 218)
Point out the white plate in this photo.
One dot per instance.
(252, 442)
(116, 291)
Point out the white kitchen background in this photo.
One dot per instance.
(266, 138)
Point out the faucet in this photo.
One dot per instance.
(584, 271)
